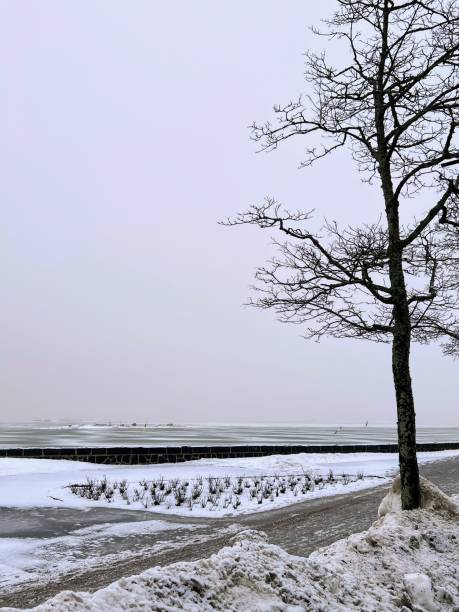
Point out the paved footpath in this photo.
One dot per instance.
(300, 529)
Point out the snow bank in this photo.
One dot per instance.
(420, 592)
(405, 561)
(26, 483)
(431, 499)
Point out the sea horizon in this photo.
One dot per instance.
(61, 433)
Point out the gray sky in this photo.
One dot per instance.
(124, 140)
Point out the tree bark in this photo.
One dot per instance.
(406, 416)
(401, 345)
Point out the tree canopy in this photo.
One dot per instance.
(395, 106)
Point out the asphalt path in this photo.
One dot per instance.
(299, 528)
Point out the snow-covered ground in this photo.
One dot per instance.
(44, 482)
(405, 561)
(24, 561)
(29, 484)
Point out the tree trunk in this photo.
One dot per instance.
(406, 416)
(401, 345)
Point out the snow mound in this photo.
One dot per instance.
(419, 590)
(405, 561)
(432, 498)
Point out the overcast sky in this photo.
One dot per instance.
(124, 140)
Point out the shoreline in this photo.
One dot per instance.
(141, 455)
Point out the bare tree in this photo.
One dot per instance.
(395, 104)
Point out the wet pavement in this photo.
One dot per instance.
(55, 522)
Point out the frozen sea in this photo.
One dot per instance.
(58, 434)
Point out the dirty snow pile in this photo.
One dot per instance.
(405, 561)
